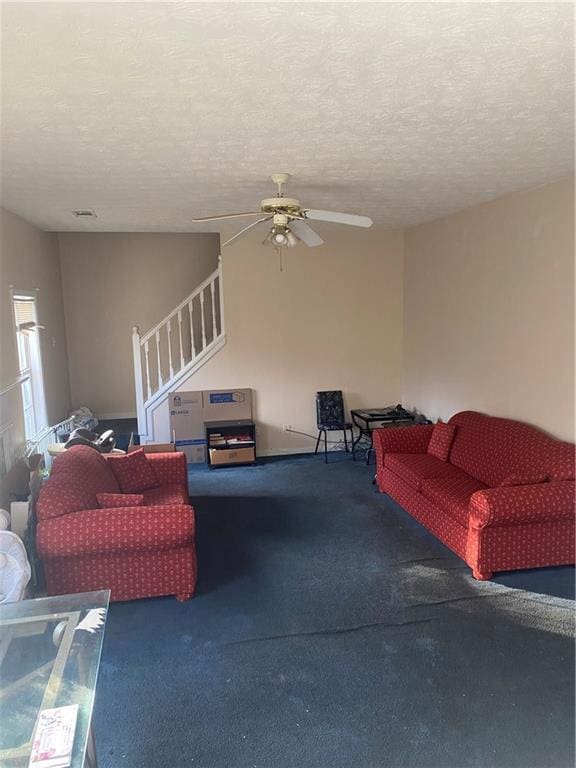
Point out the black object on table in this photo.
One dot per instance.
(369, 419)
(224, 438)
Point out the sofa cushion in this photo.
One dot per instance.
(415, 467)
(491, 449)
(111, 500)
(441, 440)
(114, 530)
(452, 494)
(563, 466)
(77, 476)
(173, 493)
(512, 480)
(134, 472)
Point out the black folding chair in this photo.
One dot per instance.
(330, 418)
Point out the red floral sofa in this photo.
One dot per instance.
(141, 544)
(502, 498)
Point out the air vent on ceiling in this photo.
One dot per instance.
(84, 213)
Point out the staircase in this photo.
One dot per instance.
(177, 347)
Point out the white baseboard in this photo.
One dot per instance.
(113, 416)
(283, 451)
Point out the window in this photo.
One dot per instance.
(29, 362)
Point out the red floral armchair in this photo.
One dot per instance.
(144, 550)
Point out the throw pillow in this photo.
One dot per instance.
(523, 480)
(441, 440)
(109, 500)
(134, 472)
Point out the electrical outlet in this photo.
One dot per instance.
(286, 427)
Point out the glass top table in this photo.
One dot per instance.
(369, 419)
(49, 657)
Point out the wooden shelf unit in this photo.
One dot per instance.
(230, 454)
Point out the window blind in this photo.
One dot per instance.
(24, 312)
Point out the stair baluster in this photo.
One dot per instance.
(192, 339)
(202, 319)
(160, 381)
(147, 355)
(213, 311)
(170, 368)
(180, 338)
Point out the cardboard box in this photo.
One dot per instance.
(227, 404)
(187, 425)
(185, 403)
(219, 456)
(195, 450)
(189, 411)
(153, 448)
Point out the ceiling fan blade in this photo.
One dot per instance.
(228, 216)
(305, 233)
(242, 231)
(340, 218)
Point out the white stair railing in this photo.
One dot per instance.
(177, 346)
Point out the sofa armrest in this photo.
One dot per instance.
(542, 502)
(169, 467)
(402, 440)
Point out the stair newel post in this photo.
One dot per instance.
(221, 292)
(139, 386)
(202, 319)
(180, 339)
(170, 368)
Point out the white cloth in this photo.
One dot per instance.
(15, 569)
(19, 511)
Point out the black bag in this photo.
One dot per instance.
(103, 443)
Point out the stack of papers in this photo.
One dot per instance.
(217, 440)
(54, 738)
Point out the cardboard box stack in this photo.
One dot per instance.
(189, 411)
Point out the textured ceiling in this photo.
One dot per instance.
(151, 113)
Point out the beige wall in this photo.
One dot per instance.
(111, 283)
(331, 320)
(487, 323)
(29, 260)
(489, 310)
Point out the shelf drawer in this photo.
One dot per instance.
(220, 456)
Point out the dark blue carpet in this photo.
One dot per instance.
(330, 630)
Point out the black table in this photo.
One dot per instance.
(369, 419)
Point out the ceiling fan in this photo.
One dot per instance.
(289, 219)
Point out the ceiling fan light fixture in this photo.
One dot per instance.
(268, 240)
(291, 238)
(279, 239)
(279, 236)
